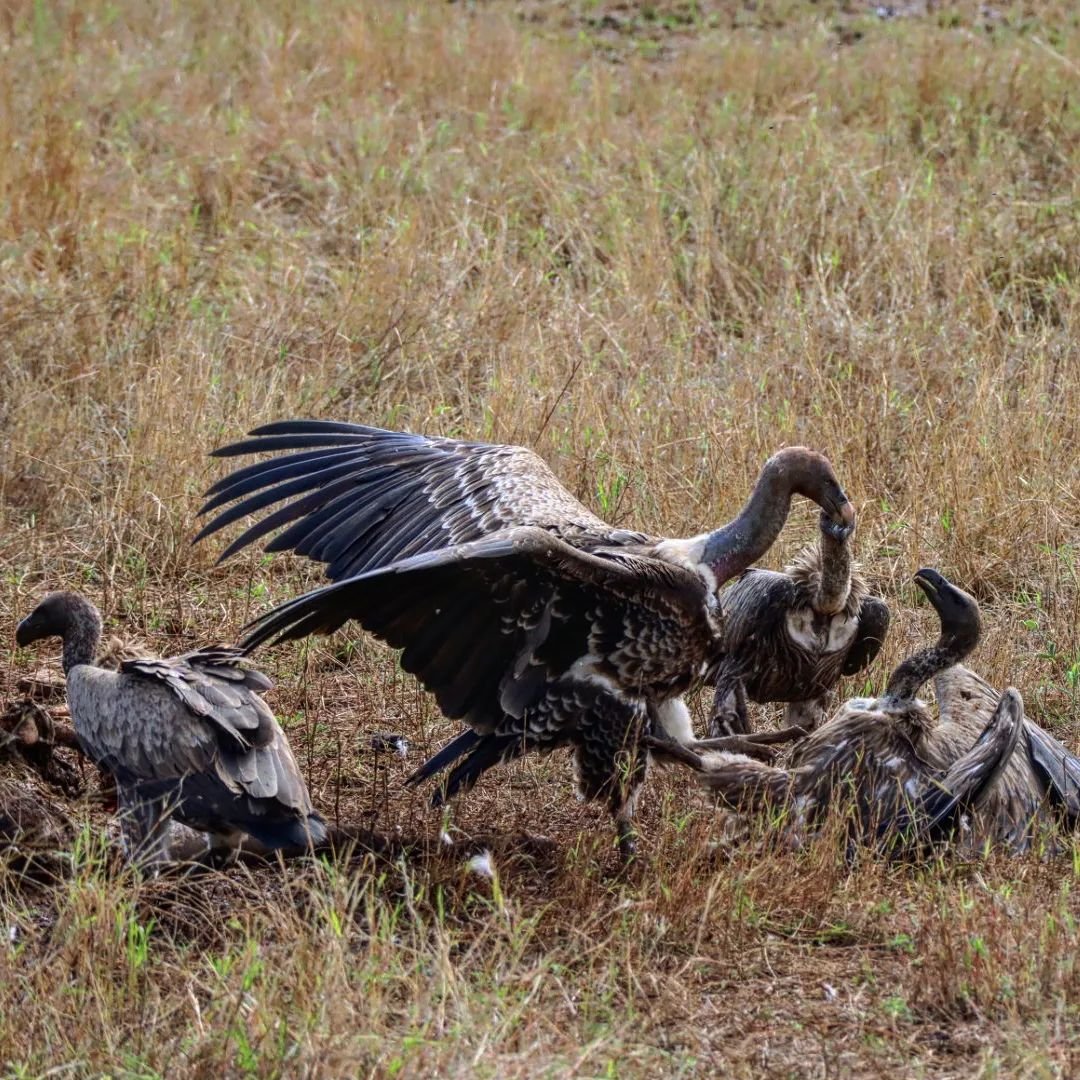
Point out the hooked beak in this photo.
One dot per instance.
(838, 519)
(24, 632)
(925, 584)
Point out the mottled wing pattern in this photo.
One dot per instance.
(741, 783)
(755, 606)
(357, 498)
(148, 723)
(488, 626)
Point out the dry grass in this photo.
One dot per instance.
(656, 242)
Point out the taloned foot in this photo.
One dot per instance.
(729, 716)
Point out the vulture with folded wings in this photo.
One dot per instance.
(789, 636)
(528, 617)
(188, 737)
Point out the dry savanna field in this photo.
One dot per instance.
(655, 242)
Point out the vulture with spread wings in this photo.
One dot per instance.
(188, 737)
(527, 616)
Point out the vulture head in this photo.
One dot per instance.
(65, 615)
(961, 628)
(810, 474)
(56, 616)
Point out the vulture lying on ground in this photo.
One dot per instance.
(528, 617)
(871, 751)
(790, 636)
(188, 737)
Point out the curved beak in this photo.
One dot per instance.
(24, 632)
(925, 584)
(838, 518)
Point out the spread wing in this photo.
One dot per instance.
(357, 498)
(486, 626)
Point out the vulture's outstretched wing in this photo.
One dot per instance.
(488, 625)
(1059, 769)
(357, 498)
(873, 626)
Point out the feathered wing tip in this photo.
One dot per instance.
(475, 753)
(457, 747)
(1059, 769)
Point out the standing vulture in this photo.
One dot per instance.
(188, 737)
(528, 617)
(790, 636)
(872, 749)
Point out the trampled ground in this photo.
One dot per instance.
(655, 242)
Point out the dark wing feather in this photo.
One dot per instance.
(1059, 769)
(873, 626)
(357, 498)
(753, 605)
(532, 607)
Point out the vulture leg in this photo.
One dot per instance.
(809, 714)
(729, 715)
(610, 762)
(754, 745)
(144, 829)
(224, 849)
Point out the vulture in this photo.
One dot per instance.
(872, 750)
(528, 617)
(188, 737)
(790, 636)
